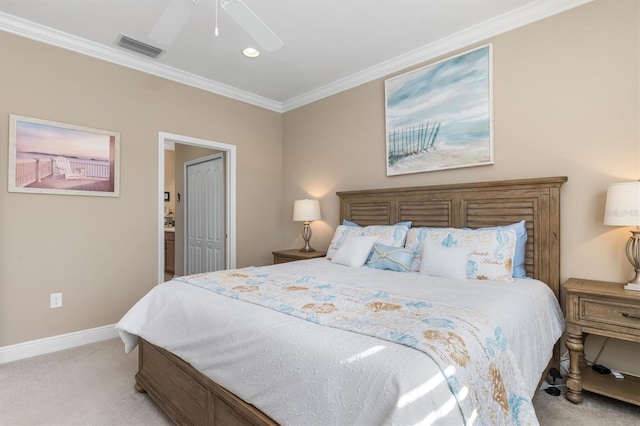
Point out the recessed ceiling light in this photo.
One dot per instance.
(251, 52)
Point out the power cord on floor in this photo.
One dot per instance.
(553, 389)
(556, 378)
(597, 367)
(551, 386)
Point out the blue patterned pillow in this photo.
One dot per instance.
(519, 270)
(346, 222)
(491, 251)
(393, 258)
(417, 236)
(391, 235)
(414, 242)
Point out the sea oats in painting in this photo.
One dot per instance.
(440, 116)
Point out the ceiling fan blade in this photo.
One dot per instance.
(252, 24)
(172, 20)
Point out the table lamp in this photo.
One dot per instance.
(306, 211)
(623, 209)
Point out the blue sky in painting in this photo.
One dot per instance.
(454, 92)
(41, 138)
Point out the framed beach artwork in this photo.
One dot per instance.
(441, 116)
(46, 157)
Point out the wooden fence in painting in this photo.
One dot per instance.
(411, 140)
(33, 170)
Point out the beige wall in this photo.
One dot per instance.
(566, 95)
(102, 253)
(565, 103)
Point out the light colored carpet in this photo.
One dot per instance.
(87, 385)
(93, 385)
(594, 410)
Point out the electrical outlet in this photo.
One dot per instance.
(56, 300)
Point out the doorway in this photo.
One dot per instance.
(229, 158)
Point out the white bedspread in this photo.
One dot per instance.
(300, 373)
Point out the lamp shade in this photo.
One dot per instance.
(306, 210)
(623, 204)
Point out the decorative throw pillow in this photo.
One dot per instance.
(354, 251)
(340, 236)
(519, 270)
(491, 252)
(446, 262)
(390, 235)
(393, 258)
(346, 222)
(417, 236)
(414, 242)
(408, 223)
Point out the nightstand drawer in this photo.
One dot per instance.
(610, 312)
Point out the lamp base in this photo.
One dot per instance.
(636, 280)
(633, 254)
(306, 236)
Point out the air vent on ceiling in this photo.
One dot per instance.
(138, 46)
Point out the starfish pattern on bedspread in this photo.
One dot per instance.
(473, 355)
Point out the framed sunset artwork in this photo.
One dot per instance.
(47, 157)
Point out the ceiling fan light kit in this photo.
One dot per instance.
(251, 52)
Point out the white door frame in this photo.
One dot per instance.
(230, 193)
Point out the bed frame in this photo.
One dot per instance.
(189, 397)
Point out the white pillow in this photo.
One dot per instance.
(354, 251)
(446, 262)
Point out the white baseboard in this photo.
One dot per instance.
(56, 343)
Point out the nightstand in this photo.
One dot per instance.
(283, 256)
(605, 309)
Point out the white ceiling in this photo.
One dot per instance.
(329, 45)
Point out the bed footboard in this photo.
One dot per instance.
(187, 396)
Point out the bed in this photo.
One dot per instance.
(259, 364)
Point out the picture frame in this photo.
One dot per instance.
(440, 116)
(48, 157)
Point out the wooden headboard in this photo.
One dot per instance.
(473, 205)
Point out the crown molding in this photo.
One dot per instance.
(479, 33)
(37, 32)
(533, 12)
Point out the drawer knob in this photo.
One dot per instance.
(627, 315)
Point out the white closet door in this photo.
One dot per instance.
(205, 227)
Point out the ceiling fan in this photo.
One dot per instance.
(175, 16)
